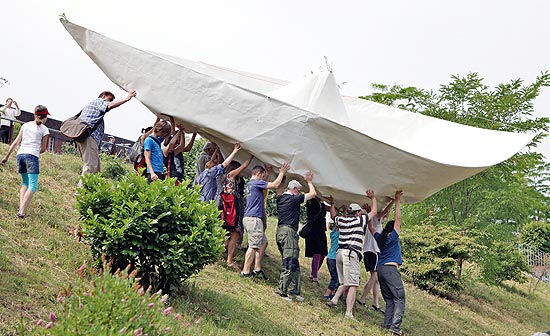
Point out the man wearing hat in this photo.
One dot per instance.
(288, 213)
(350, 243)
(32, 140)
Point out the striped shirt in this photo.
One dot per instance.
(352, 231)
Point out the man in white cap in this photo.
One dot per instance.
(288, 213)
(348, 257)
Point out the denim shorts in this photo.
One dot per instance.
(28, 164)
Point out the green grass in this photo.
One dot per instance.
(38, 257)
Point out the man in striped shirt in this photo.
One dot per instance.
(352, 232)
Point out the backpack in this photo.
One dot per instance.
(139, 162)
(229, 211)
(137, 148)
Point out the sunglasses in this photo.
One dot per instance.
(42, 116)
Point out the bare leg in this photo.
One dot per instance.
(25, 200)
(260, 257)
(369, 286)
(350, 299)
(248, 259)
(231, 244)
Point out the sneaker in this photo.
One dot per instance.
(286, 298)
(246, 275)
(259, 274)
(331, 303)
(297, 298)
(328, 297)
(349, 317)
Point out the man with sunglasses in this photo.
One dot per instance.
(93, 114)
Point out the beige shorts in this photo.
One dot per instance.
(348, 267)
(255, 229)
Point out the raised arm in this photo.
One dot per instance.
(17, 112)
(189, 145)
(397, 224)
(386, 209)
(170, 147)
(332, 208)
(277, 182)
(149, 132)
(117, 103)
(230, 157)
(311, 193)
(373, 207)
(239, 170)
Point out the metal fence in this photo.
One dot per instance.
(538, 261)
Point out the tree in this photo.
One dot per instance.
(497, 202)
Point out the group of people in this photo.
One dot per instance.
(356, 234)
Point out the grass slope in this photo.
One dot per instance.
(38, 256)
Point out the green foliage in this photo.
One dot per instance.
(191, 157)
(112, 168)
(432, 254)
(500, 200)
(69, 148)
(537, 234)
(109, 304)
(504, 262)
(163, 230)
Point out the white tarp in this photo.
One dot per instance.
(348, 143)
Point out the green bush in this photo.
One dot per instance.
(112, 168)
(163, 230)
(433, 255)
(537, 234)
(503, 262)
(69, 148)
(109, 304)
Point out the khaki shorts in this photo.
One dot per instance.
(255, 229)
(348, 267)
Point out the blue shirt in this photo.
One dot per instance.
(254, 194)
(157, 159)
(93, 114)
(392, 249)
(207, 180)
(334, 235)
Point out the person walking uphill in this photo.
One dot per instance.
(288, 213)
(352, 232)
(8, 114)
(32, 140)
(93, 114)
(389, 277)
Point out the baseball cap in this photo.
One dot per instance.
(354, 207)
(41, 110)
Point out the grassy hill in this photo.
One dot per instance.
(38, 256)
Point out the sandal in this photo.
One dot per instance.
(20, 216)
(361, 303)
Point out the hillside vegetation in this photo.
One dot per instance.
(39, 257)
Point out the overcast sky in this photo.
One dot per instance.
(416, 43)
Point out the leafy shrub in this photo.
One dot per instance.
(190, 158)
(537, 234)
(112, 168)
(69, 148)
(109, 304)
(503, 262)
(163, 230)
(432, 255)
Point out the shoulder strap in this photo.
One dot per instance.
(154, 139)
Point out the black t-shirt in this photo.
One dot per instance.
(288, 209)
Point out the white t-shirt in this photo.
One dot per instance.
(8, 114)
(32, 138)
(370, 244)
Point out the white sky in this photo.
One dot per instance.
(417, 43)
